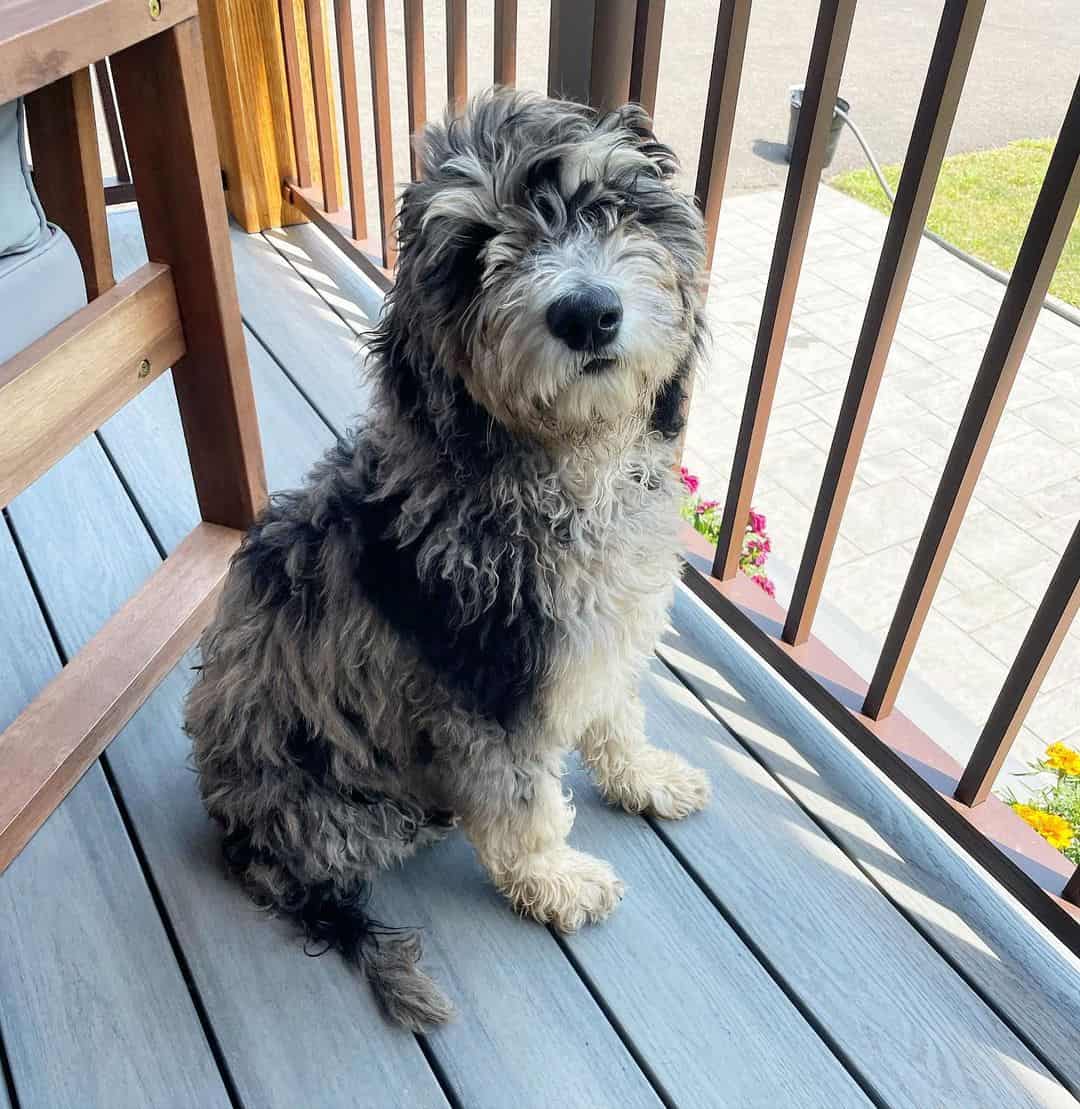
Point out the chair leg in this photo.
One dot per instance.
(67, 171)
(164, 103)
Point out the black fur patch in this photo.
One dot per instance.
(494, 661)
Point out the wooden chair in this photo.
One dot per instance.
(178, 310)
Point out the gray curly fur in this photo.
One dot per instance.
(418, 634)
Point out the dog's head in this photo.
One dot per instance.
(547, 260)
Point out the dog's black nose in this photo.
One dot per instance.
(586, 319)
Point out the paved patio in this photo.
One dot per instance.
(1026, 502)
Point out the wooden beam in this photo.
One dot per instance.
(256, 103)
(50, 745)
(44, 40)
(67, 171)
(161, 88)
(61, 388)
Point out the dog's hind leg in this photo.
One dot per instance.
(634, 774)
(519, 830)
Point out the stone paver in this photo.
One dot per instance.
(1025, 504)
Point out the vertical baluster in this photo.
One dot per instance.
(645, 66)
(324, 113)
(933, 122)
(290, 41)
(67, 171)
(350, 113)
(1048, 629)
(112, 121)
(727, 61)
(380, 105)
(505, 42)
(614, 23)
(457, 54)
(415, 77)
(807, 161)
(173, 150)
(1043, 242)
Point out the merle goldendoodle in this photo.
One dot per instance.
(470, 585)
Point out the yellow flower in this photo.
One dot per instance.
(1064, 759)
(1056, 830)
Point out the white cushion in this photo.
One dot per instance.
(22, 222)
(38, 288)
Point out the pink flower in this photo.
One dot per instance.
(757, 522)
(706, 506)
(765, 583)
(688, 479)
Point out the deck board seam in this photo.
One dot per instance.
(911, 920)
(126, 486)
(249, 326)
(624, 1036)
(201, 1012)
(35, 588)
(438, 1072)
(7, 1075)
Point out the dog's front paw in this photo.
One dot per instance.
(564, 887)
(660, 783)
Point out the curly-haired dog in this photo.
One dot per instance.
(470, 585)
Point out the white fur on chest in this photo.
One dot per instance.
(611, 594)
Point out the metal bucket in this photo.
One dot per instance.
(795, 95)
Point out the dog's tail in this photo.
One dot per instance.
(389, 957)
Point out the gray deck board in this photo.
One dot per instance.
(341, 284)
(314, 345)
(902, 1016)
(745, 930)
(527, 1033)
(93, 1007)
(699, 1009)
(1028, 975)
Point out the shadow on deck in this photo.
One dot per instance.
(774, 950)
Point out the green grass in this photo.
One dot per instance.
(982, 205)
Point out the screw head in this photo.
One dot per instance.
(144, 367)
(154, 7)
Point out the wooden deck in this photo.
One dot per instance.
(807, 941)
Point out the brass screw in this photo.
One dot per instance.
(144, 367)
(155, 8)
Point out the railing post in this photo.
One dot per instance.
(807, 161)
(1052, 621)
(255, 101)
